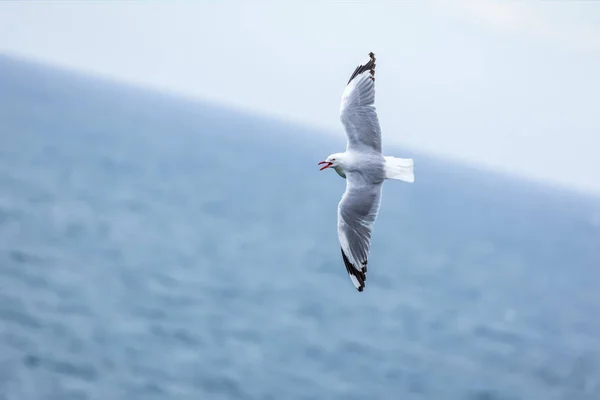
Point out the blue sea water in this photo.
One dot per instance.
(157, 248)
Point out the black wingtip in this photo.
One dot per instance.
(369, 66)
(361, 276)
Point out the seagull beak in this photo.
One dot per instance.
(327, 165)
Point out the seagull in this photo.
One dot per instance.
(364, 168)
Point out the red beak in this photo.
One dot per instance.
(327, 165)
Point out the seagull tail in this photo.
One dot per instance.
(401, 169)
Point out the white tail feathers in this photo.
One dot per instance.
(401, 169)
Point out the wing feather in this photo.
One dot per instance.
(357, 111)
(357, 212)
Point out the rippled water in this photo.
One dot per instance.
(154, 248)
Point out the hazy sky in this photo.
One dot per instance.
(514, 85)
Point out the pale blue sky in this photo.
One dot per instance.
(512, 85)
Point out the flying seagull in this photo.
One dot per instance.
(364, 168)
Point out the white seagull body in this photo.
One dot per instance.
(364, 168)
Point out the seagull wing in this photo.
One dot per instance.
(357, 212)
(357, 111)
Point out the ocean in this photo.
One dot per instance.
(155, 247)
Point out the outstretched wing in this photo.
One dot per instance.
(357, 111)
(357, 212)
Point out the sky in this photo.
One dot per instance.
(510, 85)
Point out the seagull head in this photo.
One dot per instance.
(333, 160)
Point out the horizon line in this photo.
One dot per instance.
(249, 112)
